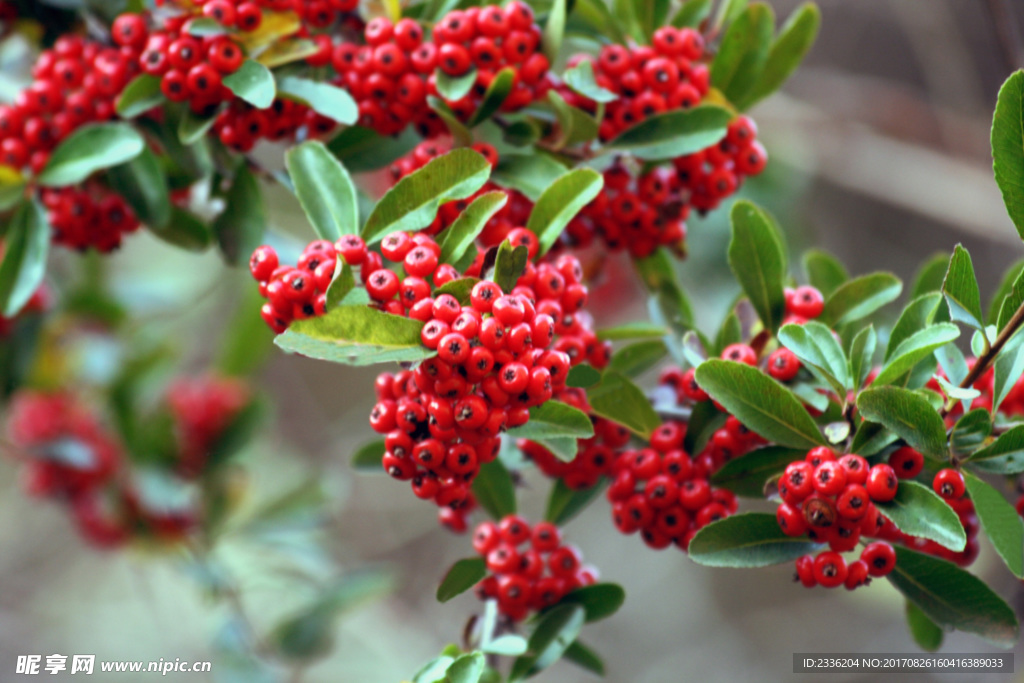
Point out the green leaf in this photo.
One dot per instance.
(1000, 522)
(581, 80)
(584, 657)
(509, 265)
(1006, 371)
(705, 418)
(530, 174)
(184, 230)
(470, 223)
(508, 645)
(759, 402)
(860, 297)
(524, 132)
(466, 669)
(914, 349)
(143, 184)
(790, 47)
(560, 203)
(930, 276)
(758, 262)
(192, 127)
(637, 358)
(870, 438)
(555, 632)
(907, 414)
(454, 88)
(1008, 147)
(1011, 285)
(619, 400)
(413, 202)
(434, 670)
(461, 289)
(673, 134)
(89, 149)
(596, 13)
(748, 474)
(205, 27)
(323, 98)
(554, 419)
(239, 227)
(356, 335)
(324, 189)
(554, 30)
(1005, 455)
(599, 600)
(253, 83)
(743, 53)
(574, 124)
(368, 457)
(752, 539)
(955, 367)
(494, 97)
(819, 351)
(971, 431)
(692, 13)
(139, 96)
(462, 576)
(824, 271)
(926, 633)
(461, 136)
(961, 290)
(918, 314)
(583, 376)
(953, 598)
(862, 351)
(494, 489)
(565, 503)
(363, 149)
(26, 245)
(636, 330)
(918, 511)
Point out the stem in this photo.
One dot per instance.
(983, 363)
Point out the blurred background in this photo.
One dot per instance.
(879, 153)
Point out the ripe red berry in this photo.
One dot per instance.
(806, 302)
(906, 462)
(882, 483)
(830, 569)
(880, 558)
(783, 365)
(949, 484)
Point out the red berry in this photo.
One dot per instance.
(906, 462)
(882, 483)
(830, 569)
(880, 558)
(949, 484)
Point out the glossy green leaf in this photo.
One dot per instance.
(554, 633)
(368, 457)
(581, 80)
(757, 260)
(462, 576)
(467, 668)
(862, 352)
(461, 289)
(454, 88)
(184, 230)
(635, 359)
(565, 503)
(918, 511)
(824, 271)
(253, 83)
(953, 598)
(760, 403)
(494, 489)
(930, 276)
(961, 290)
(530, 174)
(509, 265)
(790, 47)
(1005, 455)
(583, 376)
(914, 349)
(139, 96)
(356, 335)
(554, 419)
(560, 203)
(494, 96)
(599, 600)
(819, 351)
(323, 98)
(413, 202)
(325, 190)
(584, 657)
(692, 13)
(26, 246)
(554, 30)
(575, 126)
(619, 400)
(1006, 371)
(673, 134)
(460, 236)
(239, 227)
(89, 149)
(926, 633)
(751, 539)
(743, 52)
(509, 645)
(1012, 285)
(192, 127)
(907, 414)
(1008, 147)
(1000, 522)
(637, 330)
(971, 431)
(860, 297)
(363, 149)
(143, 184)
(918, 314)
(748, 474)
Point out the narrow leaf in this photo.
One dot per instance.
(748, 474)
(619, 400)
(758, 262)
(1008, 147)
(743, 53)
(239, 227)
(323, 98)
(560, 203)
(467, 227)
(1000, 522)
(790, 47)
(253, 83)
(554, 419)
(824, 271)
(673, 134)
(324, 189)
(462, 576)
(565, 503)
(918, 511)
(89, 149)
(907, 414)
(860, 297)
(926, 633)
(1005, 455)
(143, 184)
(26, 245)
(961, 290)
(494, 490)
(752, 539)
(356, 335)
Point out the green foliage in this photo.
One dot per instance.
(749, 474)
(1000, 522)
(599, 600)
(1008, 147)
(751, 539)
(1005, 455)
(324, 189)
(860, 297)
(918, 511)
(494, 489)
(26, 245)
(139, 96)
(565, 503)
(581, 80)
(509, 264)
(253, 83)
(758, 261)
(323, 98)
(239, 227)
(554, 632)
(820, 353)
(530, 174)
(554, 419)
(673, 133)
(824, 271)
(907, 414)
(616, 398)
(926, 633)
(368, 457)
(560, 203)
(743, 53)
(356, 335)
(462, 576)
(961, 290)
(789, 48)
(494, 96)
(89, 149)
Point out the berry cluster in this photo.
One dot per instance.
(241, 125)
(709, 176)
(636, 211)
(830, 569)
(88, 216)
(295, 292)
(595, 456)
(248, 15)
(530, 569)
(394, 72)
(1012, 405)
(203, 408)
